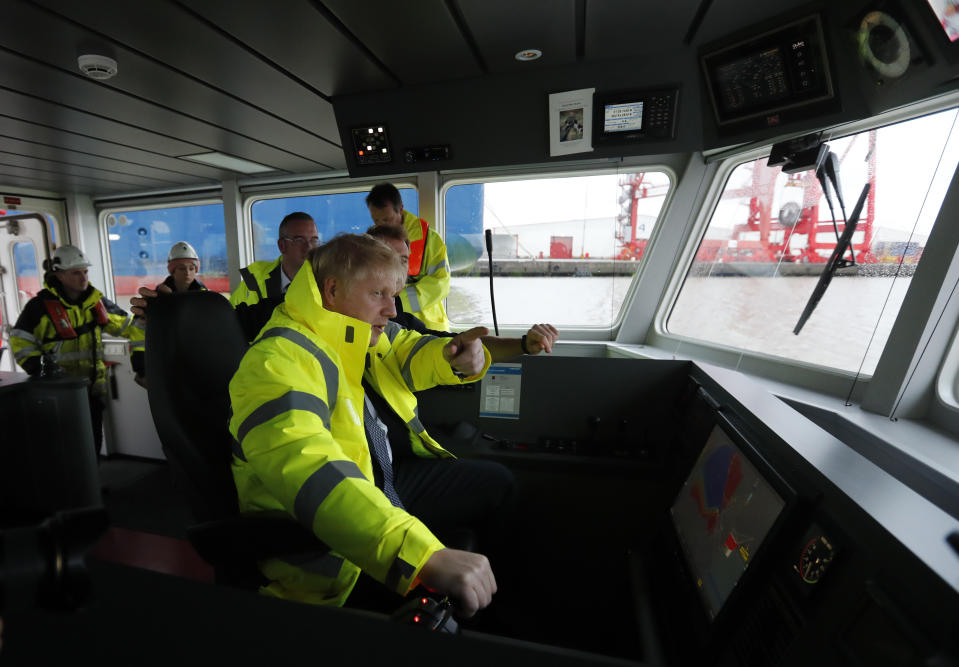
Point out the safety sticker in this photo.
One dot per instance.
(500, 391)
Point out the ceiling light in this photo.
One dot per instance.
(228, 162)
(97, 67)
(528, 54)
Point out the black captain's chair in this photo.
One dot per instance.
(194, 343)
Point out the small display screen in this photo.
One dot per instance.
(722, 515)
(947, 11)
(753, 82)
(624, 117)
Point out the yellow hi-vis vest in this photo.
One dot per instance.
(297, 402)
(259, 281)
(70, 333)
(429, 283)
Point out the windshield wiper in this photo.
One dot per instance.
(835, 261)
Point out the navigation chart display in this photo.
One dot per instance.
(722, 514)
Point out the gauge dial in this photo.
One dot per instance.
(815, 559)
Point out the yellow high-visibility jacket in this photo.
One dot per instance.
(301, 447)
(260, 280)
(429, 283)
(76, 344)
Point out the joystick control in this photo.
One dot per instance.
(425, 612)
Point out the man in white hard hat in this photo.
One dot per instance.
(183, 264)
(60, 329)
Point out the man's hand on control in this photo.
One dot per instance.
(464, 352)
(465, 577)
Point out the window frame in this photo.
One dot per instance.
(823, 379)
(103, 230)
(571, 332)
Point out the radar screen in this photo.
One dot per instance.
(723, 513)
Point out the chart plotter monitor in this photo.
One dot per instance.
(722, 515)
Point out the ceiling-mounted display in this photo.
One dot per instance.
(777, 75)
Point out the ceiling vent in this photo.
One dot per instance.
(97, 67)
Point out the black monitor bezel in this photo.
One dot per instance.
(710, 627)
(795, 107)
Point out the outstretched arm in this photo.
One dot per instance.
(538, 339)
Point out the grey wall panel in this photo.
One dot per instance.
(419, 46)
(624, 28)
(161, 178)
(11, 176)
(547, 25)
(52, 168)
(502, 120)
(108, 150)
(307, 46)
(152, 96)
(40, 111)
(76, 91)
(172, 37)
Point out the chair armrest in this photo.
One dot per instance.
(252, 537)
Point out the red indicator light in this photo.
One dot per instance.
(423, 600)
(361, 152)
(416, 619)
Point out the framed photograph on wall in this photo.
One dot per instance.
(571, 122)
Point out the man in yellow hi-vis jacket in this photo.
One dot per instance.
(428, 274)
(326, 428)
(63, 323)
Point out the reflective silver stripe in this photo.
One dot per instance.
(237, 450)
(126, 323)
(72, 356)
(250, 281)
(24, 334)
(398, 570)
(330, 372)
(319, 485)
(436, 267)
(407, 373)
(137, 344)
(291, 400)
(140, 323)
(26, 352)
(392, 330)
(414, 300)
(416, 425)
(327, 565)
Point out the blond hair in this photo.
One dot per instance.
(352, 257)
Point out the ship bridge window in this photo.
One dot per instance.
(334, 213)
(771, 234)
(564, 249)
(140, 241)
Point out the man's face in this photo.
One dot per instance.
(183, 270)
(75, 280)
(387, 215)
(369, 299)
(402, 249)
(300, 237)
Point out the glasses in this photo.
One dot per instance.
(299, 240)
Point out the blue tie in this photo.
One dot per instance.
(376, 436)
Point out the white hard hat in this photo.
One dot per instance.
(182, 250)
(68, 257)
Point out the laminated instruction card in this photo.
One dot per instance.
(500, 391)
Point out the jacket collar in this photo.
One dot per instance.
(348, 336)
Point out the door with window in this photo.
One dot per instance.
(26, 240)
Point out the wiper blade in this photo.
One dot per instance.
(835, 261)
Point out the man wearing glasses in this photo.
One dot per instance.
(269, 280)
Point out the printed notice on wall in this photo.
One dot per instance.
(500, 391)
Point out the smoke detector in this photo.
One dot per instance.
(97, 67)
